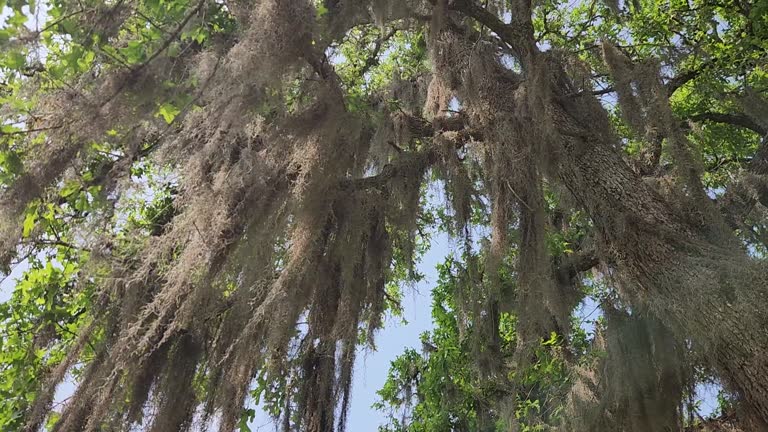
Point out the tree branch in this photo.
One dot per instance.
(604, 91)
(415, 161)
(735, 119)
(519, 37)
(727, 161)
(407, 164)
(166, 43)
(682, 79)
(576, 263)
(29, 131)
(373, 58)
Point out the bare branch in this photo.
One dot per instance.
(682, 79)
(576, 263)
(734, 119)
(373, 58)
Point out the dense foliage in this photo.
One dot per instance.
(209, 203)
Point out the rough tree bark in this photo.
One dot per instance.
(683, 270)
(683, 266)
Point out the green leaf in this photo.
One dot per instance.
(69, 188)
(248, 416)
(84, 62)
(29, 223)
(321, 10)
(10, 162)
(552, 340)
(168, 112)
(134, 52)
(18, 19)
(15, 60)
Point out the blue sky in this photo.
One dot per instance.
(372, 367)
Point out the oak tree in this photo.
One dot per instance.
(218, 201)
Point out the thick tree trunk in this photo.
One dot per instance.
(676, 261)
(691, 274)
